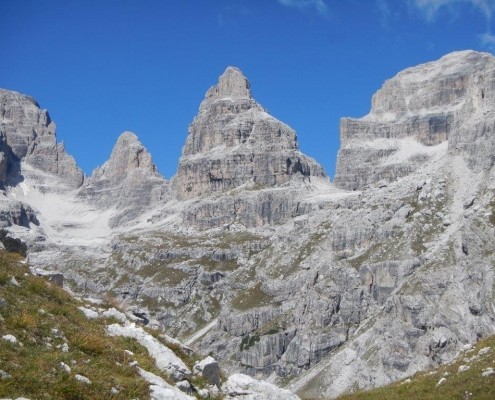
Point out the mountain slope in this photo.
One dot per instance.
(251, 254)
(469, 376)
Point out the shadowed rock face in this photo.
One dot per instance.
(451, 99)
(234, 141)
(28, 134)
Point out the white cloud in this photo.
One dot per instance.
(488, 39)
(384, 11)
(320, 5)
(487, 7)
(431, 7)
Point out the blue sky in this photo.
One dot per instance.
(105, 66)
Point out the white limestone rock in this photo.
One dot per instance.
(28, 134)
(449, 100)
(233, 141)
(165, 358)
(129, 181)
(239, 386)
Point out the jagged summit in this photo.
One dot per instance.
(128, 181)
(233, 141)
(231, 84)
(127, 155)
(28, 135)
(443, 105)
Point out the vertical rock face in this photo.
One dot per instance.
(449, 100)
(128, 181)
(233, 141)
(128, 155)
(28, 134)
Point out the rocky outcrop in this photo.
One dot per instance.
(276, 276)
(28, 134)
(233, 141)
(450, 100)
(129, 181)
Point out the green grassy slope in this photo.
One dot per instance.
(462, 385)
(44, 319)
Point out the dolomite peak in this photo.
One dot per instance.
(128, 181)
(128, 154)
(234, 141)
(232, 84)
(443, 105)
(27, 134)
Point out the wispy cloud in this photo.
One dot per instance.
(384, 11)
(488, 40)
(430, 9)
(319, 5)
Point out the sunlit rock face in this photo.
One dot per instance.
(449, 100)
(129, 181)
(233, 141)
(264, 264)
(27, 134)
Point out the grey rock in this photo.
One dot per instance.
(233, 141)
(28, 134)
(128, 181)
(184, 386)
(449, 100)
(210, 370)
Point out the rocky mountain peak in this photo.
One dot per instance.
(233, 141)
(28, 134)
(128, 181)
(231, 84)
(128, 154)
(421, 113)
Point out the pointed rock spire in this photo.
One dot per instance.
(128, 154)
(233, 84)
(128, 181)
(233, 141)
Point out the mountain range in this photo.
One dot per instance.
(251, 254)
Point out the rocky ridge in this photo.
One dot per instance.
(233, 141)
(320, 288)
(28, 135)
(446, 101)
(129, 181)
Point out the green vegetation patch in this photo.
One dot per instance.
(50, 330)
(467, 385)
(249, 341)
(252, 298)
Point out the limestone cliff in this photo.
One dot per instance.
(129, 181)
(323, 289)
(27, 134)
(450, 100)
(233, 141)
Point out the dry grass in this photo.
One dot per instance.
(467, 385)
(43, 317)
